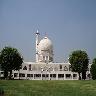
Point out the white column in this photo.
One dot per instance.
(37, 42)
(64, 76)
(72, 76)
(41, 76)
(57, 76)
(33, 77)
(25, 75)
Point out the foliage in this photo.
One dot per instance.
(10, 59)
(79, 62)
(93, 69)
(48, 88)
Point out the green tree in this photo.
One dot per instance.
(79, 62)
(10, 59)
(93, 69)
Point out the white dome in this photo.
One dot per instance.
(45, 44)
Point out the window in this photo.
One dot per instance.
(45, 75)
(68, 75)
(21, 75)
(70, 69)
(15, 74)
(74, 75)
(38, 75)
(30, 67)
(60, 75)
(60, 67)
(53, 75)
(46, 57)
(29, 75)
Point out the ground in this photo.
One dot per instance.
(48, 88)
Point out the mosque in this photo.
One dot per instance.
(44, 68)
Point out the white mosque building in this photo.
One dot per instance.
(44, 68)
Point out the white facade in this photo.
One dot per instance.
(44, 68)
(47, 71)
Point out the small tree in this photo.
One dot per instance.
(93, 69)
(10, 59)
(79, 62)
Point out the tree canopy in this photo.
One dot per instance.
(79, 62)
(93, 69)
(10, 59)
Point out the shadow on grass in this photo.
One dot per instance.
(1, 91)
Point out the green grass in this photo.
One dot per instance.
(48, 88)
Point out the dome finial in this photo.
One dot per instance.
(37, 32)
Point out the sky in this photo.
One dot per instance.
(69, 24)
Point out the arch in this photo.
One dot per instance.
(25, 68)
(65, 68)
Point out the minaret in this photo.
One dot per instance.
(37, 43)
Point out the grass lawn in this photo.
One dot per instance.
(48, 88)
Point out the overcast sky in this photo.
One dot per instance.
(70, 24)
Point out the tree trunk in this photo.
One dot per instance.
(84, 75)
(10, 76)
(79, 76)
(5, 74)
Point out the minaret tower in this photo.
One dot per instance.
(37, 43)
